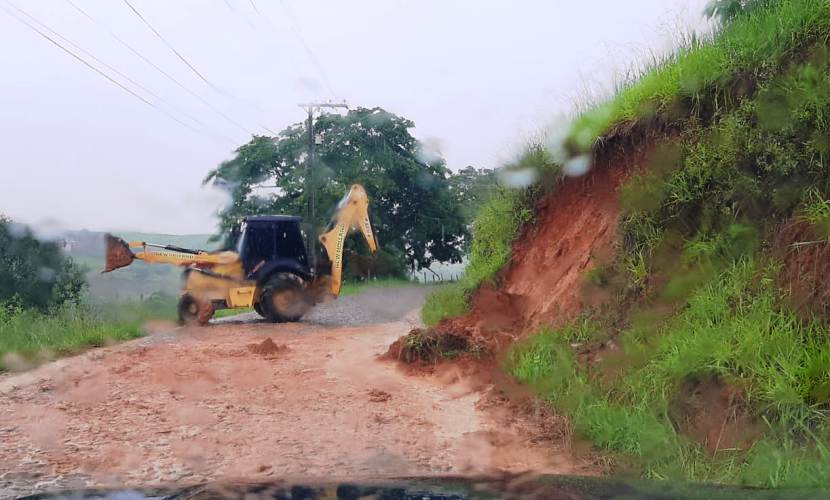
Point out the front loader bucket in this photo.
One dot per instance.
(118, 253)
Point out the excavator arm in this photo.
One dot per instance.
(352, 213)
(119, 253)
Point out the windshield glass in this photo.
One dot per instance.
(481, 248)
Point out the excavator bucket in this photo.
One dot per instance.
(118, 253)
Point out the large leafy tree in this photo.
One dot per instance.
(415, 213)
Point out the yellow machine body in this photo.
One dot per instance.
(219, 277)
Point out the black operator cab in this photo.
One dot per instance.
(272, 243)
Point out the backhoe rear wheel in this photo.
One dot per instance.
(283, 298)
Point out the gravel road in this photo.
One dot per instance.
(244, 399)
(371, 306)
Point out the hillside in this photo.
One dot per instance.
(672, 302)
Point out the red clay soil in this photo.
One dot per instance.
(575, 225)
(193, 405)
(266, 348)
(805, 253)
(714, 414)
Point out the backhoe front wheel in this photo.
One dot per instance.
(193, 312)
(283, 298)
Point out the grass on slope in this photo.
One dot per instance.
(706, 73)
(733, 329)
(698, 282)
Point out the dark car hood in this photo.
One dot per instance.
(446, 488)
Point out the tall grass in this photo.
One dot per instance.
(752, 108)
(703, 72)
(28, 336)
(447, 301)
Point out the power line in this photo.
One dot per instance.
(164, 73)
(169, 46)
(185, 61)
(295, 28)
(99, 61)
(247, 21)
(93, 68)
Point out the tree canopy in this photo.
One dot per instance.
(417, 216)
(472, 187)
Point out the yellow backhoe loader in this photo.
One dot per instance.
(269, 271)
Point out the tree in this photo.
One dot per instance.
(472, 187)
(33, 273)
(415, 214)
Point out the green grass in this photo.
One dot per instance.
(494, 229)
(735, 329)
(750, 114)
(702, 74)
(699, 228)
(447, 301)
(355, 287)
(224, 313)
(30, 336)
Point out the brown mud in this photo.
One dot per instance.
(714, 413)
(805, 253)
(266, 348)
(575, 227)
(195, 404)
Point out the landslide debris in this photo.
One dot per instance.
(267, 348)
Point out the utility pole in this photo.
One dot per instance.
(310, 184)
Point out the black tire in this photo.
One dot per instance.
(258, 309)
(193, 312)
(188, 310)
(283, 298)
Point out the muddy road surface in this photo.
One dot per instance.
(244, 399)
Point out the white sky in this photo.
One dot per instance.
(475, 76)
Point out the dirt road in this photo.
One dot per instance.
(193, 404)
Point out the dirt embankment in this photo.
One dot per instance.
(575, 227)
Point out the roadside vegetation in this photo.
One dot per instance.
(710, 360)
(29, 336)
(352, 287)
(45, 310)
(499, 220)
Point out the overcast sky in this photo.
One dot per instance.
(475, 76)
